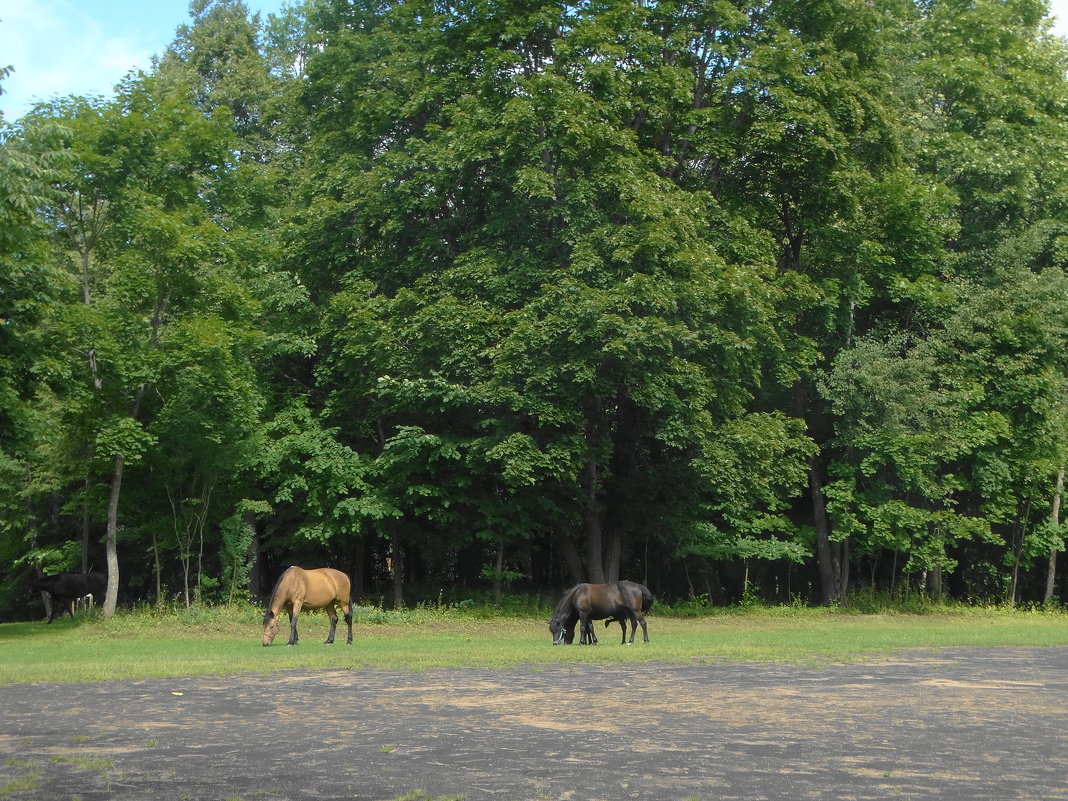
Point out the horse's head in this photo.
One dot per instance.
(561, 633)
(270, 627)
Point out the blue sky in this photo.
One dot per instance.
(84, 47)
(65, 47)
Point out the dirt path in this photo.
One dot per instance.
(963, 724)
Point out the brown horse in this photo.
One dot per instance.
(619, 602)
(323, 588)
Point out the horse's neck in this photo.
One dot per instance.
(566, 614)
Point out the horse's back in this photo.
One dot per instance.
(596, 600)
(605, 599)
(328, 584)
(317, 587)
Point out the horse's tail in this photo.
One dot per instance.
(647, 598)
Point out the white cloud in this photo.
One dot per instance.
(58, 49)
(1059, 9)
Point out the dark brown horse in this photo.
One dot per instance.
(620, 602)
(65, 589)
(323, 588)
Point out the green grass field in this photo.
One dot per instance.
(200, 641)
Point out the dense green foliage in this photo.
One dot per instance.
(738, 299)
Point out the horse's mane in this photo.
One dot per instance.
(563, 608)
(270, 601)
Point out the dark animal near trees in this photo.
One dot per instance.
(618, 602)
(65, 588)
(322, 588)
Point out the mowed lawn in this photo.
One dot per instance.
(225, 641)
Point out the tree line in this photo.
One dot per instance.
(737, 299)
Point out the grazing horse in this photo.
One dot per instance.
(322, 588)
(618, 602)
(67, 588)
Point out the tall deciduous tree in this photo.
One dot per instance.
(132, 216)
(796, 128)
(29, 165)
(520, 275)
(954, 460)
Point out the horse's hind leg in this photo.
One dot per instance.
(332, 611)
(645, 628)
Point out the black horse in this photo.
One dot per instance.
(66, 588)
(618, 602)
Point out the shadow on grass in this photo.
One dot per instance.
(13, 631)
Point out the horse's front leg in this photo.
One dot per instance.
(591, 632)
(53, 605)
(348, 621)
(294, 610)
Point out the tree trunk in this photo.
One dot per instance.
(689, 581)
(201, 522)
(1019, 537)
(31, 522)
(592, 526)
(615, 556)
(254, 574)
(934, 582)
(622, 494)
(1055, 518)
(85, 528)
(157, 568)
(111, 597)
(572, 559)
(826, 555)
(359, 557)
(843, 570)
(498, 574)
(396, 558)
